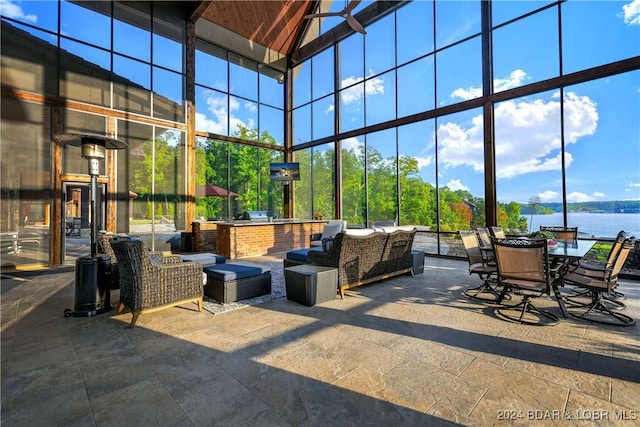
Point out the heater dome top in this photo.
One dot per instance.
(78, 139)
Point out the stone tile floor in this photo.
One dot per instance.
(406, 351)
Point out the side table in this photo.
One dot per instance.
(311, 284)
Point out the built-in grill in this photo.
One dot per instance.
(256, 216)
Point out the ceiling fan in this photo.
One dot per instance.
(345, 13)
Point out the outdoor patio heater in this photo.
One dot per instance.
(92, 292)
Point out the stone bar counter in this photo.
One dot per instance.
(246, 238)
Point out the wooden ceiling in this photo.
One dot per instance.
(274, 24)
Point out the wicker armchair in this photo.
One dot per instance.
(104, 247)
(147, 284)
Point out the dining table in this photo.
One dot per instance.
(565, 253)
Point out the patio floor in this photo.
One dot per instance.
(405, 351)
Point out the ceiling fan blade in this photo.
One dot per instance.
(352, 5)
(321, 15)
(353, 23)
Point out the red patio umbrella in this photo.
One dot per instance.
(213, 190)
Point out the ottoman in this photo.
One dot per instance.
(237, 281)
(311, 284)
(299, 256)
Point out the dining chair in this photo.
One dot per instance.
(498, 232)
(485, 237)
(599, 270)
(524, 269)
(599, 310)
(481, 265)
(561, 233)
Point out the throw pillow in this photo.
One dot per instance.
(331, 230)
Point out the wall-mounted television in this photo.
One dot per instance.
(284, 171)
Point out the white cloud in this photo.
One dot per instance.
(423, 162)
(455, 185)
(352, 144)
(11, 10)
(549, 196)
(514, 79)
(576, 196)
(527, 133)
(329, 108)
(631, 13)
(355, 93)
(217, 121)
(251, 106)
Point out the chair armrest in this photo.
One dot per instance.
(171, 259)
(315, 236)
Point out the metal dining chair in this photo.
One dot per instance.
(481, 265)
(599, 310)
(561, 233)
(524, 269)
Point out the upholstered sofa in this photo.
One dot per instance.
(365, 256)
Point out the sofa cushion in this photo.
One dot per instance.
(236, 270)
(302, 254)
(359, 231)
(392, 229)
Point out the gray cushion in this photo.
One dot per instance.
(302, 254)
(236, 270)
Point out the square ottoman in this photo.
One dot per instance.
(236, 281)
(311, 284)
(299, 256)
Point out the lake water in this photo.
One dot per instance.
(591, 224)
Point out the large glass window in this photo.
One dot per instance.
(243, 77)
(455, 21)
(595, 33)
(132, 21)
(89, 22)
(41, 14)
(458, 83)
(314, 193)
(26, 187)
(131, 85)
(84, 73)
(322, 76)
(382, 186)
(302, 84)
(380, 46)
(526, 51)
(353, 182)
(414, 30)
(460, 150)
(380, 98)
(528, 156)
(417, 174)
(211, 66)
(601, 159)
(212, 169)
(323, 117)
(416, 87)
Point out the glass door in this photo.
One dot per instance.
(77, 218)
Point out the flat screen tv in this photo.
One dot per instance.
(285, 171)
